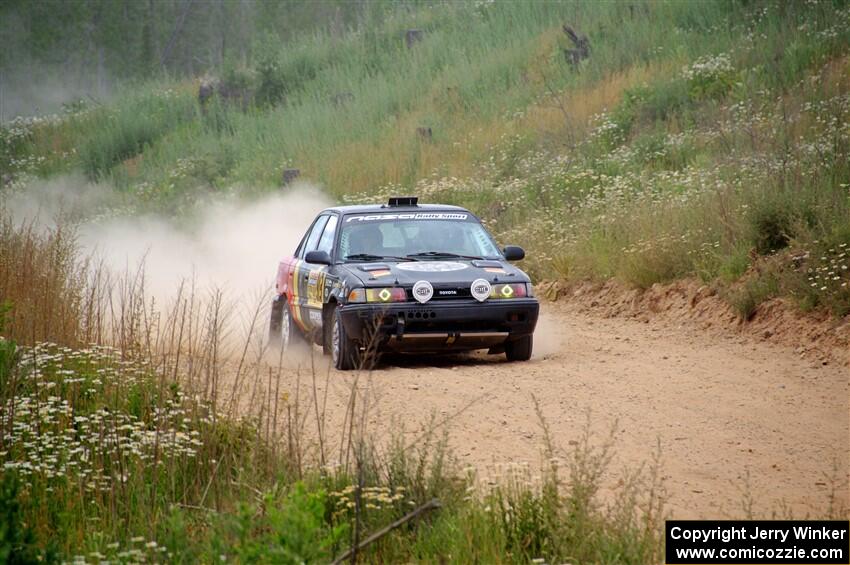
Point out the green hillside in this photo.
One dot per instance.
(696, 138)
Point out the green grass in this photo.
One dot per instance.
(475, 66)
(105, 459)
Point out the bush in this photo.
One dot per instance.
(664, 100)
(710, 77)
(271, 82)
(824, 273)
(292, 529)
(746, 299)
(776, 216)
(237, 86)
(17, 536)
(772, 228)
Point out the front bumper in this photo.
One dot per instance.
(444, 325)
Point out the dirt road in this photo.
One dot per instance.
(728, 411)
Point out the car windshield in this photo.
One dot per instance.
(420, 236)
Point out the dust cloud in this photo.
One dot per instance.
(66, 198)
(548, 336)
(29, 88)
(228, 244)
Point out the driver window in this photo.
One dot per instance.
(313, 238)
(326, 243)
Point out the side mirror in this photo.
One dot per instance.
(513, 253)
(318, 257)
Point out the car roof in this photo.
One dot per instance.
(384, 208)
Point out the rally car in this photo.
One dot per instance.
(402, 277)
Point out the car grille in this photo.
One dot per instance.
(446, 292)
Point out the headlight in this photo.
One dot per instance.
(386, 294)
(513, 290)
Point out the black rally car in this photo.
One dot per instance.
(403, 277)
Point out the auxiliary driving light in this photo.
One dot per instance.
(513, 290)
(386, 294)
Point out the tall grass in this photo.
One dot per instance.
(173, 433)
(43, 283)
(477, 66)
(127, 130)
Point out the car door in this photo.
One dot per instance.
(300, 274)
(316, 276)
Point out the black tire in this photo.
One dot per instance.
(344, 351)
(327, 328)
(283, 333)
(519, 349)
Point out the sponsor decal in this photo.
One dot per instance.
(480, 289)
(497, 270)
(383, 273)
(315, 285)
(423, 291)
(315, 316)
(413, 216)
(446, 292)
(293, 299)
(431, 266)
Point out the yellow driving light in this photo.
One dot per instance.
(513, 290)
(386, 294)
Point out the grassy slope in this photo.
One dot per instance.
(697, 137)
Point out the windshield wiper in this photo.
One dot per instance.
(443, 254)
(373, 257)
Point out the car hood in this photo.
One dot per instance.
(406, 273)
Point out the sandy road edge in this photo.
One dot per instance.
(815, 335)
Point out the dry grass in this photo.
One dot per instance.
(45, 283)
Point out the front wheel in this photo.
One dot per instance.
(519, 349)
(344, 351)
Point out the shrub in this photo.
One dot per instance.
(290, 529)
(665, 99)
(771, 227)
(776, 216)
(15, 137)
(824, 270)
(709, 77)
(237, 86)
(746, 298)
(271, 82)
(17, 536)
